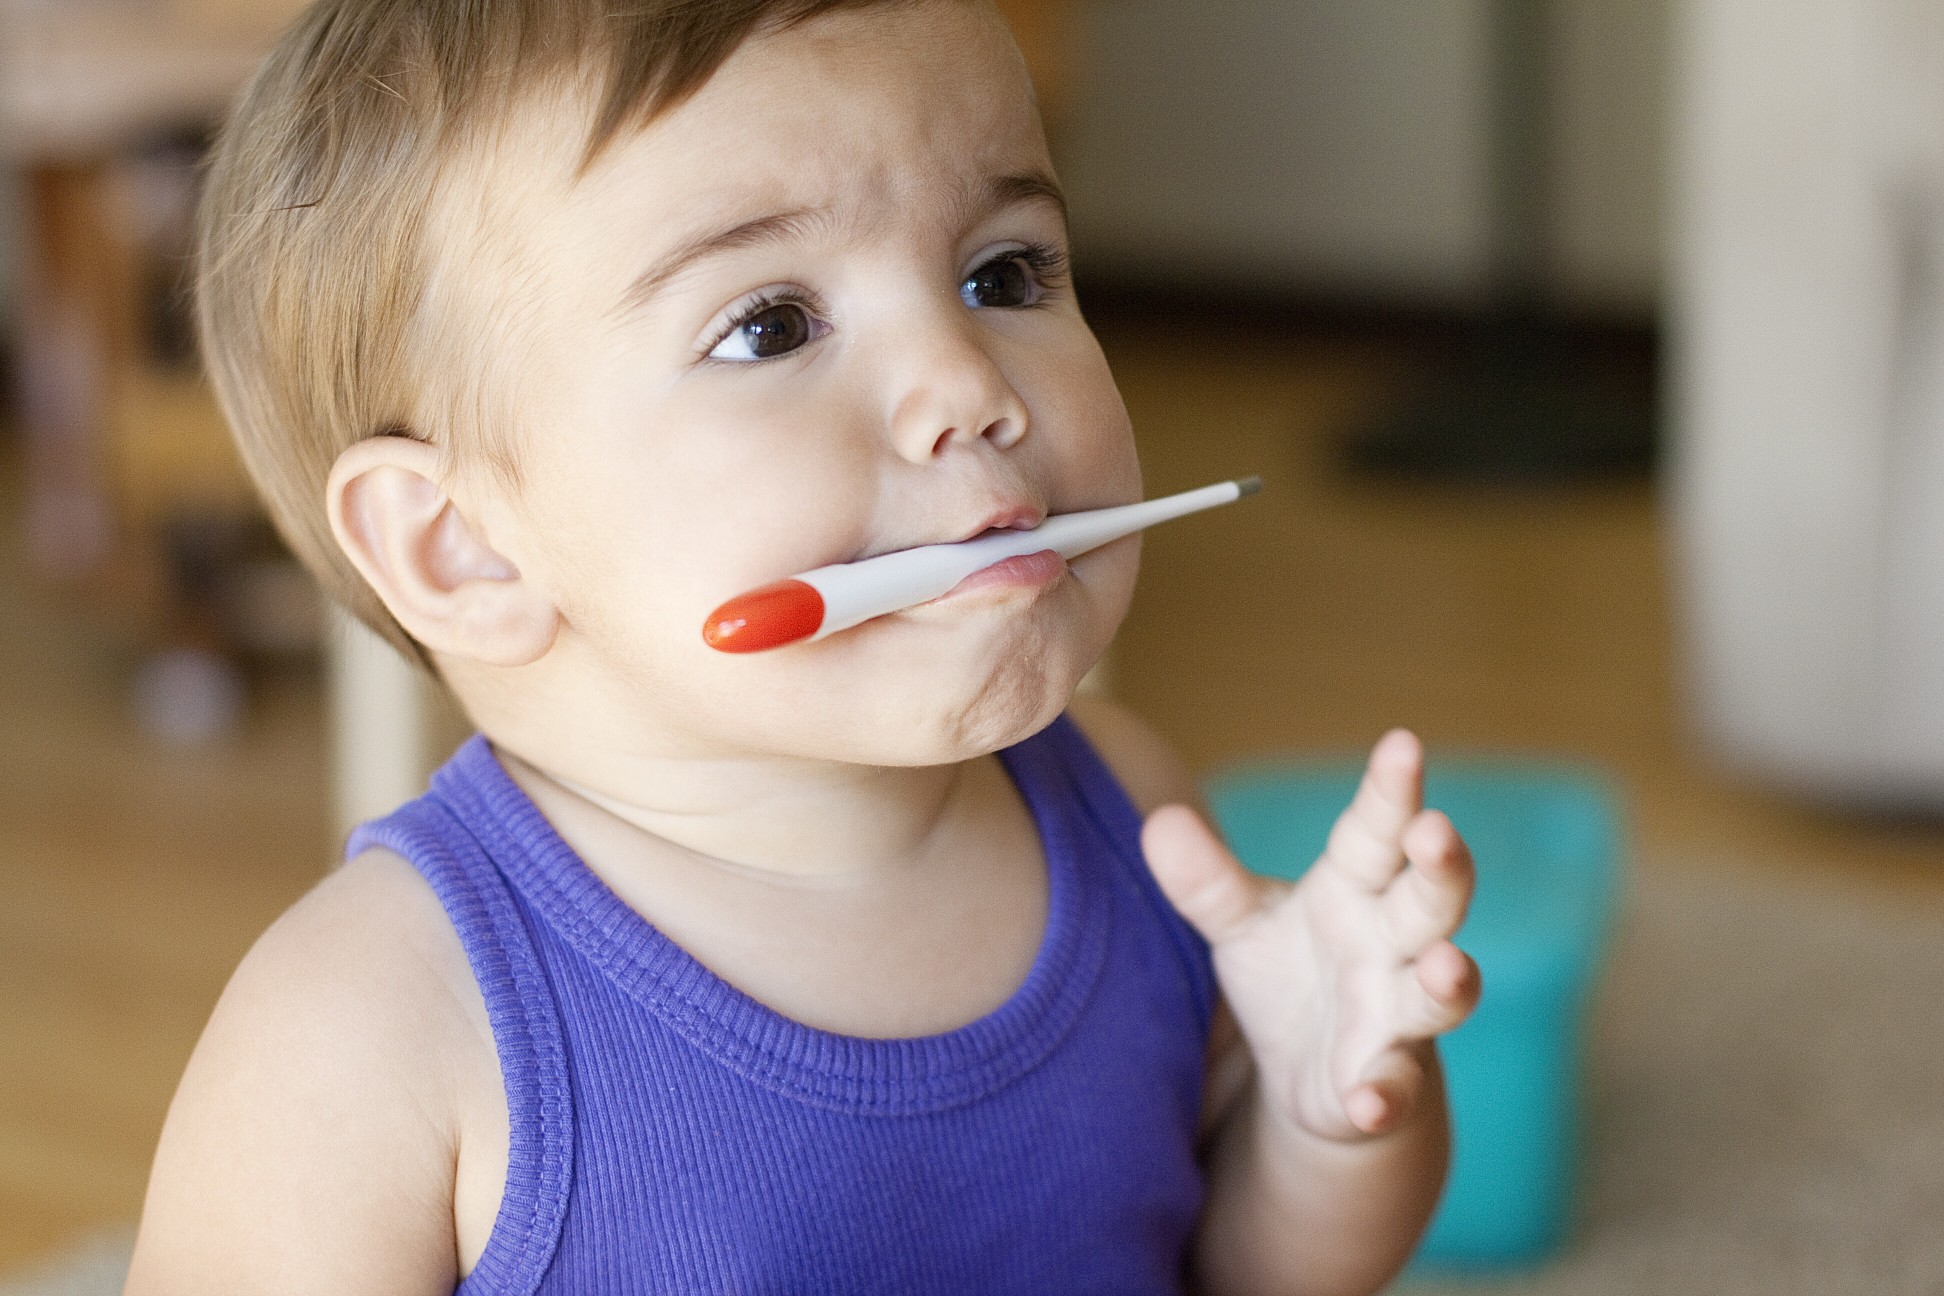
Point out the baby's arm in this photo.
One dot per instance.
(312, 1144)
(1327, 1126)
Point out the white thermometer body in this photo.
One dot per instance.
(822, 602)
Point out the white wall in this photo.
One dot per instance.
(1341, 145)
(1333, 144)
(1808, 395)
(1610, 100)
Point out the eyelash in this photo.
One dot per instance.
(762, 301)
(1048, 264)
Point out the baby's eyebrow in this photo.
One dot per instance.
(774, 228)
(1025, 186)
(998, 193)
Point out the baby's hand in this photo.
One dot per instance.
(1339, 981)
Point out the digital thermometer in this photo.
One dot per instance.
(820, 603)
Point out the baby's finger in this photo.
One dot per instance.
(1206, 885)
(1439, 992)
(1427, 902)
(1367, 841)
(1388, 1092)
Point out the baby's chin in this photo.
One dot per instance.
(952, 709)
(992, 723)
(1016, 703)
(993, 692)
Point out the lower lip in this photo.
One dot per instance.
(1028, 571)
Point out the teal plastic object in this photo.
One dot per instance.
(1547, 842)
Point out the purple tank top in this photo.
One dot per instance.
(670, 1135)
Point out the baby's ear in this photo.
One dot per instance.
(430, 564)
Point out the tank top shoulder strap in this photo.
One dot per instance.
(1063, 752)
(432, 834)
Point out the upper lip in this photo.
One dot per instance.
(1015, 517)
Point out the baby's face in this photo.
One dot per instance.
(818, 312)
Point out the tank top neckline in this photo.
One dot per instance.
(846, 1073)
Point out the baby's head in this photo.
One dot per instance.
(548, 325)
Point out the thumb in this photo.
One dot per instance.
(1206, 885)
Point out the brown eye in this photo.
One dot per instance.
(772, 331)
(1006, 282)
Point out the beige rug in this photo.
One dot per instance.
(1766, 1115)
(1767, 1105)
(95, 1266)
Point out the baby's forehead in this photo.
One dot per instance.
(848, 108)
(862, 124)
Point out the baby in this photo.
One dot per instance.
(875, 964)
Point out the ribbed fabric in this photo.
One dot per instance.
(672, 1135)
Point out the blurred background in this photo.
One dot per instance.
(1592, 352)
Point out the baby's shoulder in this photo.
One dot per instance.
(326, 1099)
(1146, 765)
(366, 979)
(368, 951)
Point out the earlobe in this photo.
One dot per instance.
(430, 564)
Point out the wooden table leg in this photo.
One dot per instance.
(79, 324)
(381, 712)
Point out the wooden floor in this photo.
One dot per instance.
(132, 879)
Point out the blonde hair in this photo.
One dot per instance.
(316, 250)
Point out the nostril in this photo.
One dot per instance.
(1004, 432)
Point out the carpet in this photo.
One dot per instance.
(1765, 1111)
(94, 1266)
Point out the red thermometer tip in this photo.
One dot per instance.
(764, 618)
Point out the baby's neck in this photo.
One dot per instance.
(785, 821)
(628, 773)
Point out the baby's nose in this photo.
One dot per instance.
(957, 394)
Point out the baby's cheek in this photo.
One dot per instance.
(772, 506)
(1107, 577)
(1092, 424)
